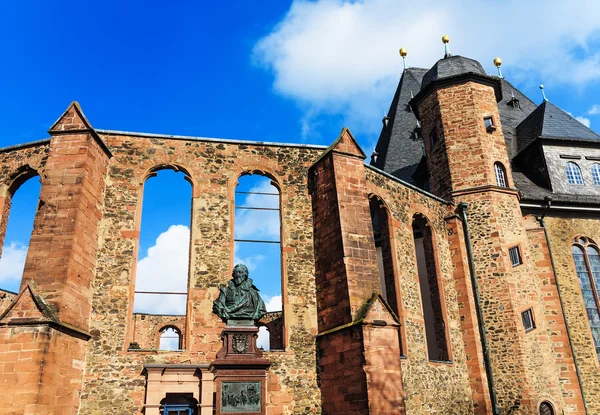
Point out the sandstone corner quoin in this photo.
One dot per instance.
(456, 273)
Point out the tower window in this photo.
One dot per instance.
(500, 174)
(515, 256)
(434, 139)
(596, 173)
(489, 123)
(574, 173)
(587, 266)
(527, 318)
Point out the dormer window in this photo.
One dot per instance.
(500, 174)
(574, 174)
(488, 122)
(596, 173)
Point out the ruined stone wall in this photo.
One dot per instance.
(113, 379)
(6, 298)
(562, 229)
(429, 387)
(147, 327)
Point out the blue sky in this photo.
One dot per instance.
(269, 71)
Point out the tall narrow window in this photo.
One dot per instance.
(435, 327)
(21, 205)
(170, 338)
(163, 260)
(574, 173)
(596, 173)
(500, 174)
(257, 239)
(587, 265)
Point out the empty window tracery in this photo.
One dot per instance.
(435, 326)
(170, 339)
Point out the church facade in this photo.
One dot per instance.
(456, 273)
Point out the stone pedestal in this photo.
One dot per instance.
(240, 373)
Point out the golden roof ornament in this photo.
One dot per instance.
(403, 53)
(498, 64)
(445, 41)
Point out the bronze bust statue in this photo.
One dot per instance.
(240, 299)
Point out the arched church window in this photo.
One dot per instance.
(574, 173)
(257, 240)
(587, 264)
(431, 295)
(162, 271)
(500, 172)
(16, 224)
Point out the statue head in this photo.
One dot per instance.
(240, 274)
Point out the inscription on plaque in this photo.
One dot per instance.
(240, 397)
(240, 343)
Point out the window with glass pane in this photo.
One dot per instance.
(587, 266)
(546, 408)
(527, 317)
(515, 256)
(574, 173)
(500, 174)
(596, 173)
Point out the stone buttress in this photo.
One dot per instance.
(358, 345)
(44, 331)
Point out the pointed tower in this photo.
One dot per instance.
(468, 163)
(44, 331)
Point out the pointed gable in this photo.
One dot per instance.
(376, 309)
(347, 144)
(72, 119)
(29, 306)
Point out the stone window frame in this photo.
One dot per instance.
(529, 310)
(519, 248)
(441, 291)
(583, 242)
(574, 174)
(149, 173)
(492, 126)
(276, 181)
(500, 174)
(400, 312)
(177, 330)
(595, 174)
(20, 176)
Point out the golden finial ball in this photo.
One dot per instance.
(445, 39)
(403, 52)
(498, 62)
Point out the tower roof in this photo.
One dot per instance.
(399, 149)
(451, 66)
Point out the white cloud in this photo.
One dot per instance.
(584, 121)
(259, 224)
(273, 303)
(251, 262)
(164, 268)
(12, 263)
(595, 110)
(335, 56)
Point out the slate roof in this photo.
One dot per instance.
(399, 149)
(451, 66)
(549, 121)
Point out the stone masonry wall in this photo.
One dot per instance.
(113, 379)
(6, 298)
(147, 327)
(429, 387)
(562, 229)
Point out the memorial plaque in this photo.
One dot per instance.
(241, 397)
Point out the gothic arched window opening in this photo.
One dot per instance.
(587, 264)
(170, 338)
(164, 248)
(431, 294)
(16, 224)
(257, 240)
